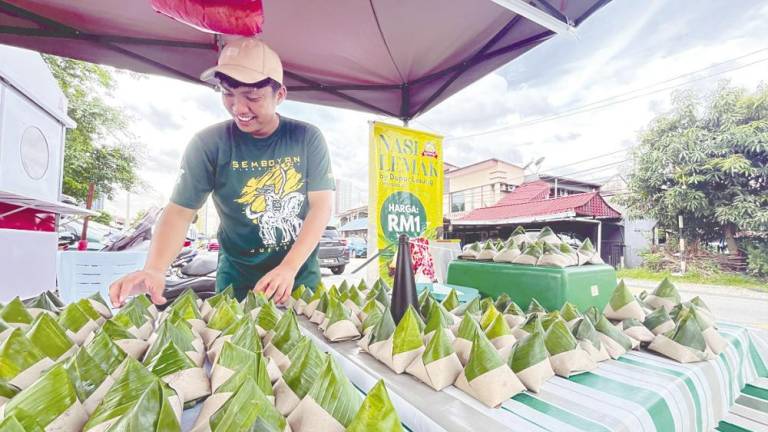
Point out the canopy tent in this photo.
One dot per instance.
(392, 57)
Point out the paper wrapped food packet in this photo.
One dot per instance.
(451, 301)
(508, 253)
(177, 370)
(502, 301)
(532, 324)
(340, 324)
(659, 322)
(355, 301)
(107, 355)
(98, 303)
(437, 318)
(623, 305)
(379, 334)
(135, 319)
(519, 235)
(546, 235)
(529, 360)
(330, 405)
(570, 314)
(50, 404)
(570, 254)
(306, 363)
(22, 363)
(487, 252)
(464, 337)
(589, 340)
(438, 367)
(185, 311)
(616, 342)
(486, 377)
(287, 335)
(234, 360)
(470, 308)
(137, 395)
(206, 309)
(665, 295)
(182, 335)
(403, 346)
(685, 343)
(253, 302)
(48, 336)
(371, 318)
(40, 304)
(500, 335)
(128, 342)
(514, 315)
(715, 342)
(301, 298)
(470, 251)
(242, 333)
(549, 318)
(221, 317)
(15, 314)
(552, 257)
(77, 323)
(266, 320)
(534, 307)
(90, 380)
(587, 253)
(246, 408)
(376, 414)
(566, 357)
(318, 315)
(636, 330)
(489, 315)
(530, 255)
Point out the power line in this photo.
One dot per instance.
(600, 156)
(604, 102)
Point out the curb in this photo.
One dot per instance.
(719, 290)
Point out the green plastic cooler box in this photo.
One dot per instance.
(584, 286)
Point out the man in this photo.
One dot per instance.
(271, 181)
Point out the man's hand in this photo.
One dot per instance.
(144, 281)
(278, 283)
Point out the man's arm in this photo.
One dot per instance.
(279, 281)
(167, 240)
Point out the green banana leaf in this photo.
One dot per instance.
(267, 316)
(502, 301)
(47, 335)
(248, 409)
(335, 393)
(468, 328)
(698, 302)
(186, 307)
(116, 331)
(382, 296)
(372, 318)
(535, 307)
(593, 314)
(223, 316)
(621, 296)
(17, 353)
(656, 318)
(497, 328)
(298, 292)
(566, 249)
(688, 333)
(550, 318)
(333, 292)
(376, 414)
(584, 330)
(533, 324)
(247, 336)
(383, 329)
(322, 305)
(3, 326)
(667, 290)
(151, 412)
(425, 301)
(534, 250)
(88, 309)
(97, 297)
(519, 230)
(11, 424)
(605, 327)
(482, 359)
(569, 312)
(545, 233)
(106, 354)
(133, 315)
(471, 308)
(73, 318)
(451, 301)
(586, 247)
(362, 286)
(372, 305)
(186, 296)
(356, 297)
(254, 301)
(438, 347)
(287, 333)
(630, 322)
(407, 336)
(513, 309)
(527, 352)
(7, 390)
(168, 361)
(42, 301)
(16, 313)
(306, 364)
(245, 364)
(559, 339)
(85, 373)
(336, 311)
(47, 398)
(435, 318)
(486, 303)
(170, 331)
(344, 287)
(318, 293)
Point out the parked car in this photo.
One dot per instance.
(358, 247)
(333, 252)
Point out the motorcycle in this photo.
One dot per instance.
(195, 271)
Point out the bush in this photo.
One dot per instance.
(757, 258)
(653, 260)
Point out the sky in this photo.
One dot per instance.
(568, 100)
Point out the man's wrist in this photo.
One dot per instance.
(154, 270)
(291, 265)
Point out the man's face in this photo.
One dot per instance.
(253, 109)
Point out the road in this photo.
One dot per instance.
(735, 305)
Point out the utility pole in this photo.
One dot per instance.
(682, 244)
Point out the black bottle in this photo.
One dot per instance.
(404, 291)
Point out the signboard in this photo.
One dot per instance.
(406, 188)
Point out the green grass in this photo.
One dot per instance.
(726, 279)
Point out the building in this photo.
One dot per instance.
(538, 203)
(478, 185)
(348, 196)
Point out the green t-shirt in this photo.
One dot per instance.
(259, 188)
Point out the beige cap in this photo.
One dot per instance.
(247, 60)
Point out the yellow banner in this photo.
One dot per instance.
(406, 187)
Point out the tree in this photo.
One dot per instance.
(103, 218)
(100, 149)
(707, 161)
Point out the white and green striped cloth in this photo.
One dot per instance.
(641, 391)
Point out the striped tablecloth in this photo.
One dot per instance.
(641, 391)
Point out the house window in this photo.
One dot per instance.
(457, 202)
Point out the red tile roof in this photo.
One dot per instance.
(529, 202)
